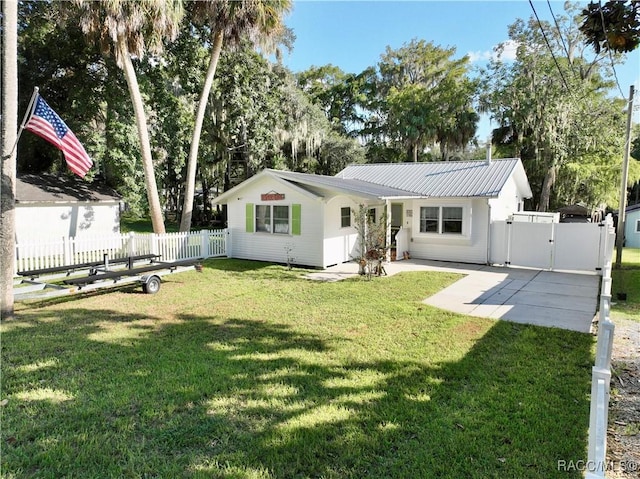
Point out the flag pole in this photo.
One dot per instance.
(27, 115)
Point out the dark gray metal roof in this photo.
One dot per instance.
(349, 186)
(44, 188)
(440, 179)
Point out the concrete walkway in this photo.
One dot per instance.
(542, 298)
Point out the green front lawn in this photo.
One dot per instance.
(247, 370)
(626, 279)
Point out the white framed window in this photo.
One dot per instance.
(345, 217)
(272, 219)
(443, 220)
(371, 215)
(451, 220)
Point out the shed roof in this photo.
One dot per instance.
(48, 188)
(443, 179)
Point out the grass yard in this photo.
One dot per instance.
(626, 279)
(249, 371)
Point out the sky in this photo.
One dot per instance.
(352, 35)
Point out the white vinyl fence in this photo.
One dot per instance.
(597, 465)
(550, 246)
(65, 251)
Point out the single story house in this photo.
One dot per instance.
(632, 226)
(50, 206)
(436, 210)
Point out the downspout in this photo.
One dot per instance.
(489, 232)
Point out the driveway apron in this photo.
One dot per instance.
(543, 298)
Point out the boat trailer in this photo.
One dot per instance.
(146, 270)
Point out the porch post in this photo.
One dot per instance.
(387, 206)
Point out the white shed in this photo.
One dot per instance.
(632, 226)
(50, 206)
(437, 210)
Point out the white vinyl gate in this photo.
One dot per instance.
(550, 246)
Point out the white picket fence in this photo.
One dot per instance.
(53, 252)
(597, 465)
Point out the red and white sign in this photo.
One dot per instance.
(272, 196)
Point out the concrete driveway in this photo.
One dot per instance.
(542, 298)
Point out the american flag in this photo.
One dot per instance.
(46, 123)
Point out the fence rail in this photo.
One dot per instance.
(65, 251)
(601, 371)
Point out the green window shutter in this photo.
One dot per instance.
(249, 215)
(296, 219)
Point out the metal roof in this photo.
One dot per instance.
(405, 180)
(438, 179)
(349, 186)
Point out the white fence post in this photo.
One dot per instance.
(131, 244)
(66, 247)
(204, 243)
(597, 455)
(153, 238)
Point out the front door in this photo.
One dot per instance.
(396, 221)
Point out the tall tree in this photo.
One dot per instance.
(230, 21)
(8, 166)
(415, 95)
(555, 113)
(128, 29)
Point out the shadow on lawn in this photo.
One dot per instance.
(231, 398)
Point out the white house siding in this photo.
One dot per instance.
(507, 202)
(305, 249)
(632, 229)
(340, 244)
(36, 221)
(470, 247)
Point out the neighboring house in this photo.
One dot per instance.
(632, 226)
(437, 210)
(51, 206)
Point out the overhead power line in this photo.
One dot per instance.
(546, 40)
(564, 45)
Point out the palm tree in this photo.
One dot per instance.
(128, 28)
(9, 122)
(258, 20)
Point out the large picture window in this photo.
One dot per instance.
(441, 219)
(272, 219)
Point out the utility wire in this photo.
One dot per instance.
(546, 40)
(564, 45)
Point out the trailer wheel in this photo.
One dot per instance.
(152, 285)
